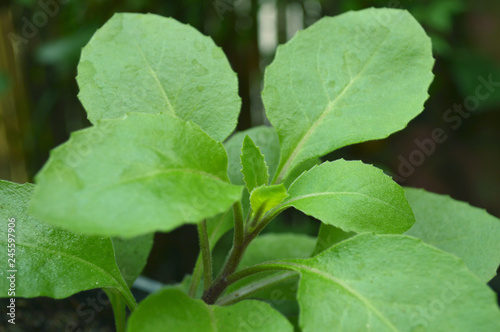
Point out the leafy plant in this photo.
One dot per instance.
(162, 98)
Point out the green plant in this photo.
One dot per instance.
(162, 98)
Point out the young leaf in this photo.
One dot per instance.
(253, 165)
(352, 196)
(135, 175)
(267, 141)
(131, 255)
(50, 261)
(391, 283)
(172, 310)
(456, 227)
(148, 63)
(263, 199)
(351, 78)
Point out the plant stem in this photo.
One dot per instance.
(241, 240)
(195, 278)
(220, 283)
(270, 215)
(255, 218)
(235, 254)
(238, 229)
(238, 224)
(211, 294)
(129, 300)
(198, 268)
(205, 254)
(119, 312)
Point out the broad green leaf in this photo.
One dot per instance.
(172, 310)
(152, 64)
(265, 198)
(352, 196)
(51, 261)
(253, 165)
(132, 176)
(329, 235)
(272, 246)
(391, 283)
(456, 227)
(351, 78)
(132, 255)
(263, 137)
(297, 171)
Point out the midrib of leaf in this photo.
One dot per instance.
(119, 286)
(155, 76)
(327, 111)
(154, 174)
(345, 193)
(212, 318)
(348, 290)
(280, 265)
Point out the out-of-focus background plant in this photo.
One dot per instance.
(40, 43)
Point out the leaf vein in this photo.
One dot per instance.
(345, 193)
(328, 110)
(155, 76)
(76, 258)
(347, 288)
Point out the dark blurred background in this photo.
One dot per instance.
(40, 43)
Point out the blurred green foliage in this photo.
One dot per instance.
(466, 39)
(4, 82)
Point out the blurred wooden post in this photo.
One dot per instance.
(13, 107)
